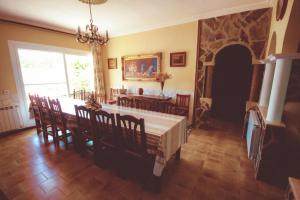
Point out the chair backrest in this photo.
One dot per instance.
(104, 124)
(79, 94)
(125, 101)
(34, 104)
(86, 94)
(56, 112)
(131, 132)
(114, 93)
(83, 116)
(100, 98)
(44, 110)
(183, 100)
(145, 104)
(166, 107)
(33, 99)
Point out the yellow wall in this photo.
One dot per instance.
(280, 28)
(12, 31)
(166, 40)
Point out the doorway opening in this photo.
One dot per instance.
(231, 82)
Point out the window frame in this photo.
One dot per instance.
(15, 60)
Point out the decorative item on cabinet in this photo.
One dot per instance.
(122, 90)
(141, 91)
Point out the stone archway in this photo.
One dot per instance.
(250, 28)
(231, 82)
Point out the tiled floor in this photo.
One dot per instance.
(213, 165)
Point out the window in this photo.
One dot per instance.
(80, 72)
(55, 74)
(49, 71)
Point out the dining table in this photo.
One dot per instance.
(165, 133)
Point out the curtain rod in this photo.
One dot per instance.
(36, 26)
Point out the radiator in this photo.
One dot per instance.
(253, 135)
(10, 118)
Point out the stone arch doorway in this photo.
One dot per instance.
(231, 82)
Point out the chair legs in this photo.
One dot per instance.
(45, 132)
(38, 126)
(63, 136)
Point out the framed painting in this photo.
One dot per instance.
(141, 67)
(178, 59)
(112, 63)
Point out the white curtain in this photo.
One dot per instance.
(98, 73)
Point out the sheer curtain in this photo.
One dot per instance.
(98, 74)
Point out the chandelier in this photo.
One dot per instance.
(91, 35)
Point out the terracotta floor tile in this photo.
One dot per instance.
(213, 165)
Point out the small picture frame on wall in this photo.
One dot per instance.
(178, 59)
(112, 63)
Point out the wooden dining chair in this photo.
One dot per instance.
(34, 109)
(183, 104)
(46, 119)
(79, 94)
(59, 122)
(104, 130)
(87, 94)
(84, 132)
(145, 104)
(100, 98)
(125, 101)
(132, 142)
(166, 107)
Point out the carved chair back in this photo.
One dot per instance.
(131, 133)
(44, 109)
(145, 104)
(35, 106)
(166, 107)
(83, 116)
(183, 100)
(79, 94)
(125, 101)
(103, 125)
(57, 114)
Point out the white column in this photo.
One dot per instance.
(267, 84)
(279, 88)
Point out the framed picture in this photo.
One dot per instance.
(112, 63)
(178, 59)
(141, 67)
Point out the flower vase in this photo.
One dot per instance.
(162, 84)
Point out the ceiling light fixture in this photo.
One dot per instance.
(91, 35)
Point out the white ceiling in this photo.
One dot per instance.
(120, 17)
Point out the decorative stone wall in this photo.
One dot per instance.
(250, 29)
